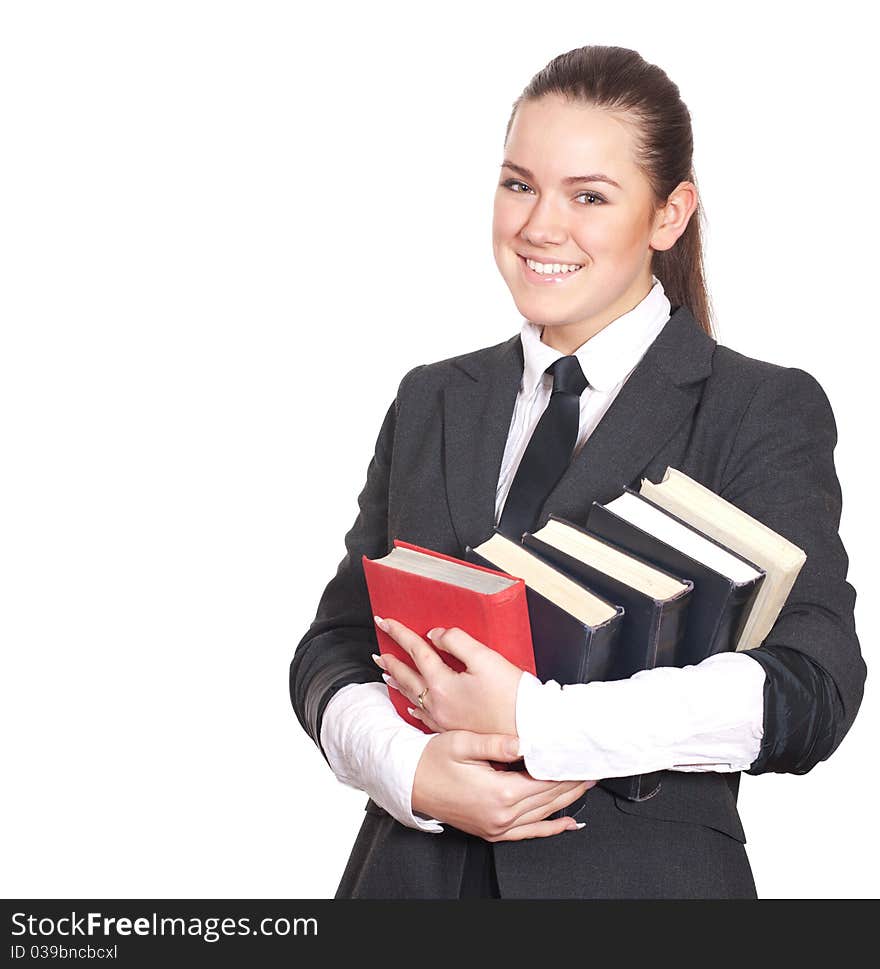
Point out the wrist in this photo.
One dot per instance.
(417, 802)
(511, 724)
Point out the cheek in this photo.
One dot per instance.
(608, 237)
(505, 220)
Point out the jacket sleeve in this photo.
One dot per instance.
(781, 471)
(335, 651)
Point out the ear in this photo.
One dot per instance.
(672, 219)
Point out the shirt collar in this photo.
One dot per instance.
(609, 355)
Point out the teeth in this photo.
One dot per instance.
(553, 268)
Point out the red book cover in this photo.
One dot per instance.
(500, 620)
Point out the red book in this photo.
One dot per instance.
(489, 605)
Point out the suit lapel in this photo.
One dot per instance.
(477, 413)
(658, 396)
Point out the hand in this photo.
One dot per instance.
(481, 698)
(455, 783)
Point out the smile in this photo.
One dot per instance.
(544, 273)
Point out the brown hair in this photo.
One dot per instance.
(620, 80)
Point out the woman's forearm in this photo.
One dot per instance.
(703, 717)
(371, 748)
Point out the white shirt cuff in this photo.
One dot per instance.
(371, 748)
(708, 717)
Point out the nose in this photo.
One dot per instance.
(544, 226)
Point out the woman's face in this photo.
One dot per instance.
(542, 212)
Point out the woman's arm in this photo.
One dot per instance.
(781, 471)
(706, 717)
(795, 712)
(372, 749)
(336, 649)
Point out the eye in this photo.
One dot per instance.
(511, 182)
(591, 195)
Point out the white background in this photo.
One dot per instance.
(228, 229)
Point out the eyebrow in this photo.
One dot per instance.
(568, 180)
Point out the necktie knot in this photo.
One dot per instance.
(568, 377)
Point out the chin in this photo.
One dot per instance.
(540, 316)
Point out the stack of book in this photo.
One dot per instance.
(666, 576)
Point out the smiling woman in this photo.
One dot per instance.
(548, 217)
(613, 376)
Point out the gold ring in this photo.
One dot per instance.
(421, 698)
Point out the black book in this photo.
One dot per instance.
(725, 584)
(655, 606)
(575, 632)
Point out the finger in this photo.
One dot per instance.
(458, 643)
(409, 682)
(425, 718)
(422, 654)
(475, 747)
(525, 788)
(539, 811)
(539, 829)
(537, 800)
(536, 805)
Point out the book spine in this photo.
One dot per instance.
(731, 619)
(744, 613)
(598, 656)
(671, 623)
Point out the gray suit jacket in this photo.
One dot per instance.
(760, 435)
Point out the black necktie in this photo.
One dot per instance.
(549, 451)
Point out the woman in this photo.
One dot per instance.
(596, 233)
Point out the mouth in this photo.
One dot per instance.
(547, 277)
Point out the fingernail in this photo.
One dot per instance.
(378, 660)
(381, 623)
(578, 826)
(411, 711)
(437, 631)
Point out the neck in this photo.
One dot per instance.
(569, 337)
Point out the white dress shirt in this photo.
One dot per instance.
(704, 717)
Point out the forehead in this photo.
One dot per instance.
(556, 138)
